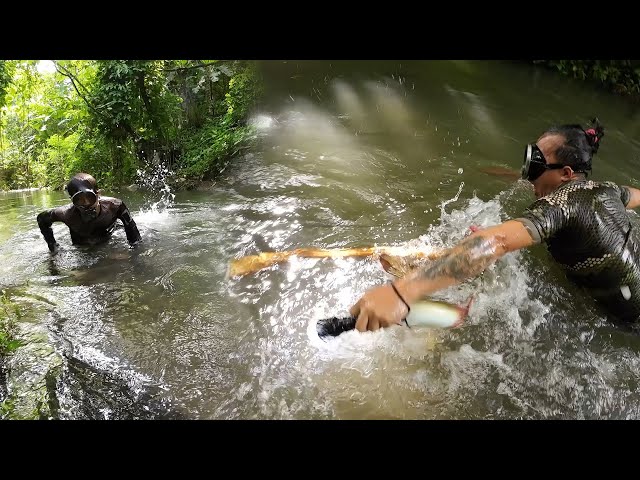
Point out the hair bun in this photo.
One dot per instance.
(594, 134)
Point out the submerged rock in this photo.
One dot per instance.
(31, 375)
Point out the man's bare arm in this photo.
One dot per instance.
(466, 260)
(381, 306)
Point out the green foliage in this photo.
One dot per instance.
(6, 74)
(97, 154)
(619, 76)
(208, 148)
(244, 89)
(130, 98)
(113, 117)
(57, 160)
(38, 108)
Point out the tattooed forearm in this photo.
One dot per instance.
(466, 260)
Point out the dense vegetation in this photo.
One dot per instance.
(619, 76)
(112, 118)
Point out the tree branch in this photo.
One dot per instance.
(74, 80)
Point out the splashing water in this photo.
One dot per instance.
(395, 373)
(153, 179)
(451, 200)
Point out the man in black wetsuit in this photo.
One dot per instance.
(584, 224)
(91, 218)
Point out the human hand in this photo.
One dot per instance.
(53, 248)
(380, 307)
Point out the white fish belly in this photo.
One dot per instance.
(431, 314)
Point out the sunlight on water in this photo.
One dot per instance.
(156, 213)
(262, 122)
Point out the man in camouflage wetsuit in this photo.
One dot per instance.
(584, 224)
(91, 218)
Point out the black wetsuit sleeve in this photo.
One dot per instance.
(130, 227)
(543, 219)
(45, 220)
(621, 191)
(625, 194)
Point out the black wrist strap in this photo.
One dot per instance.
(400, 297)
